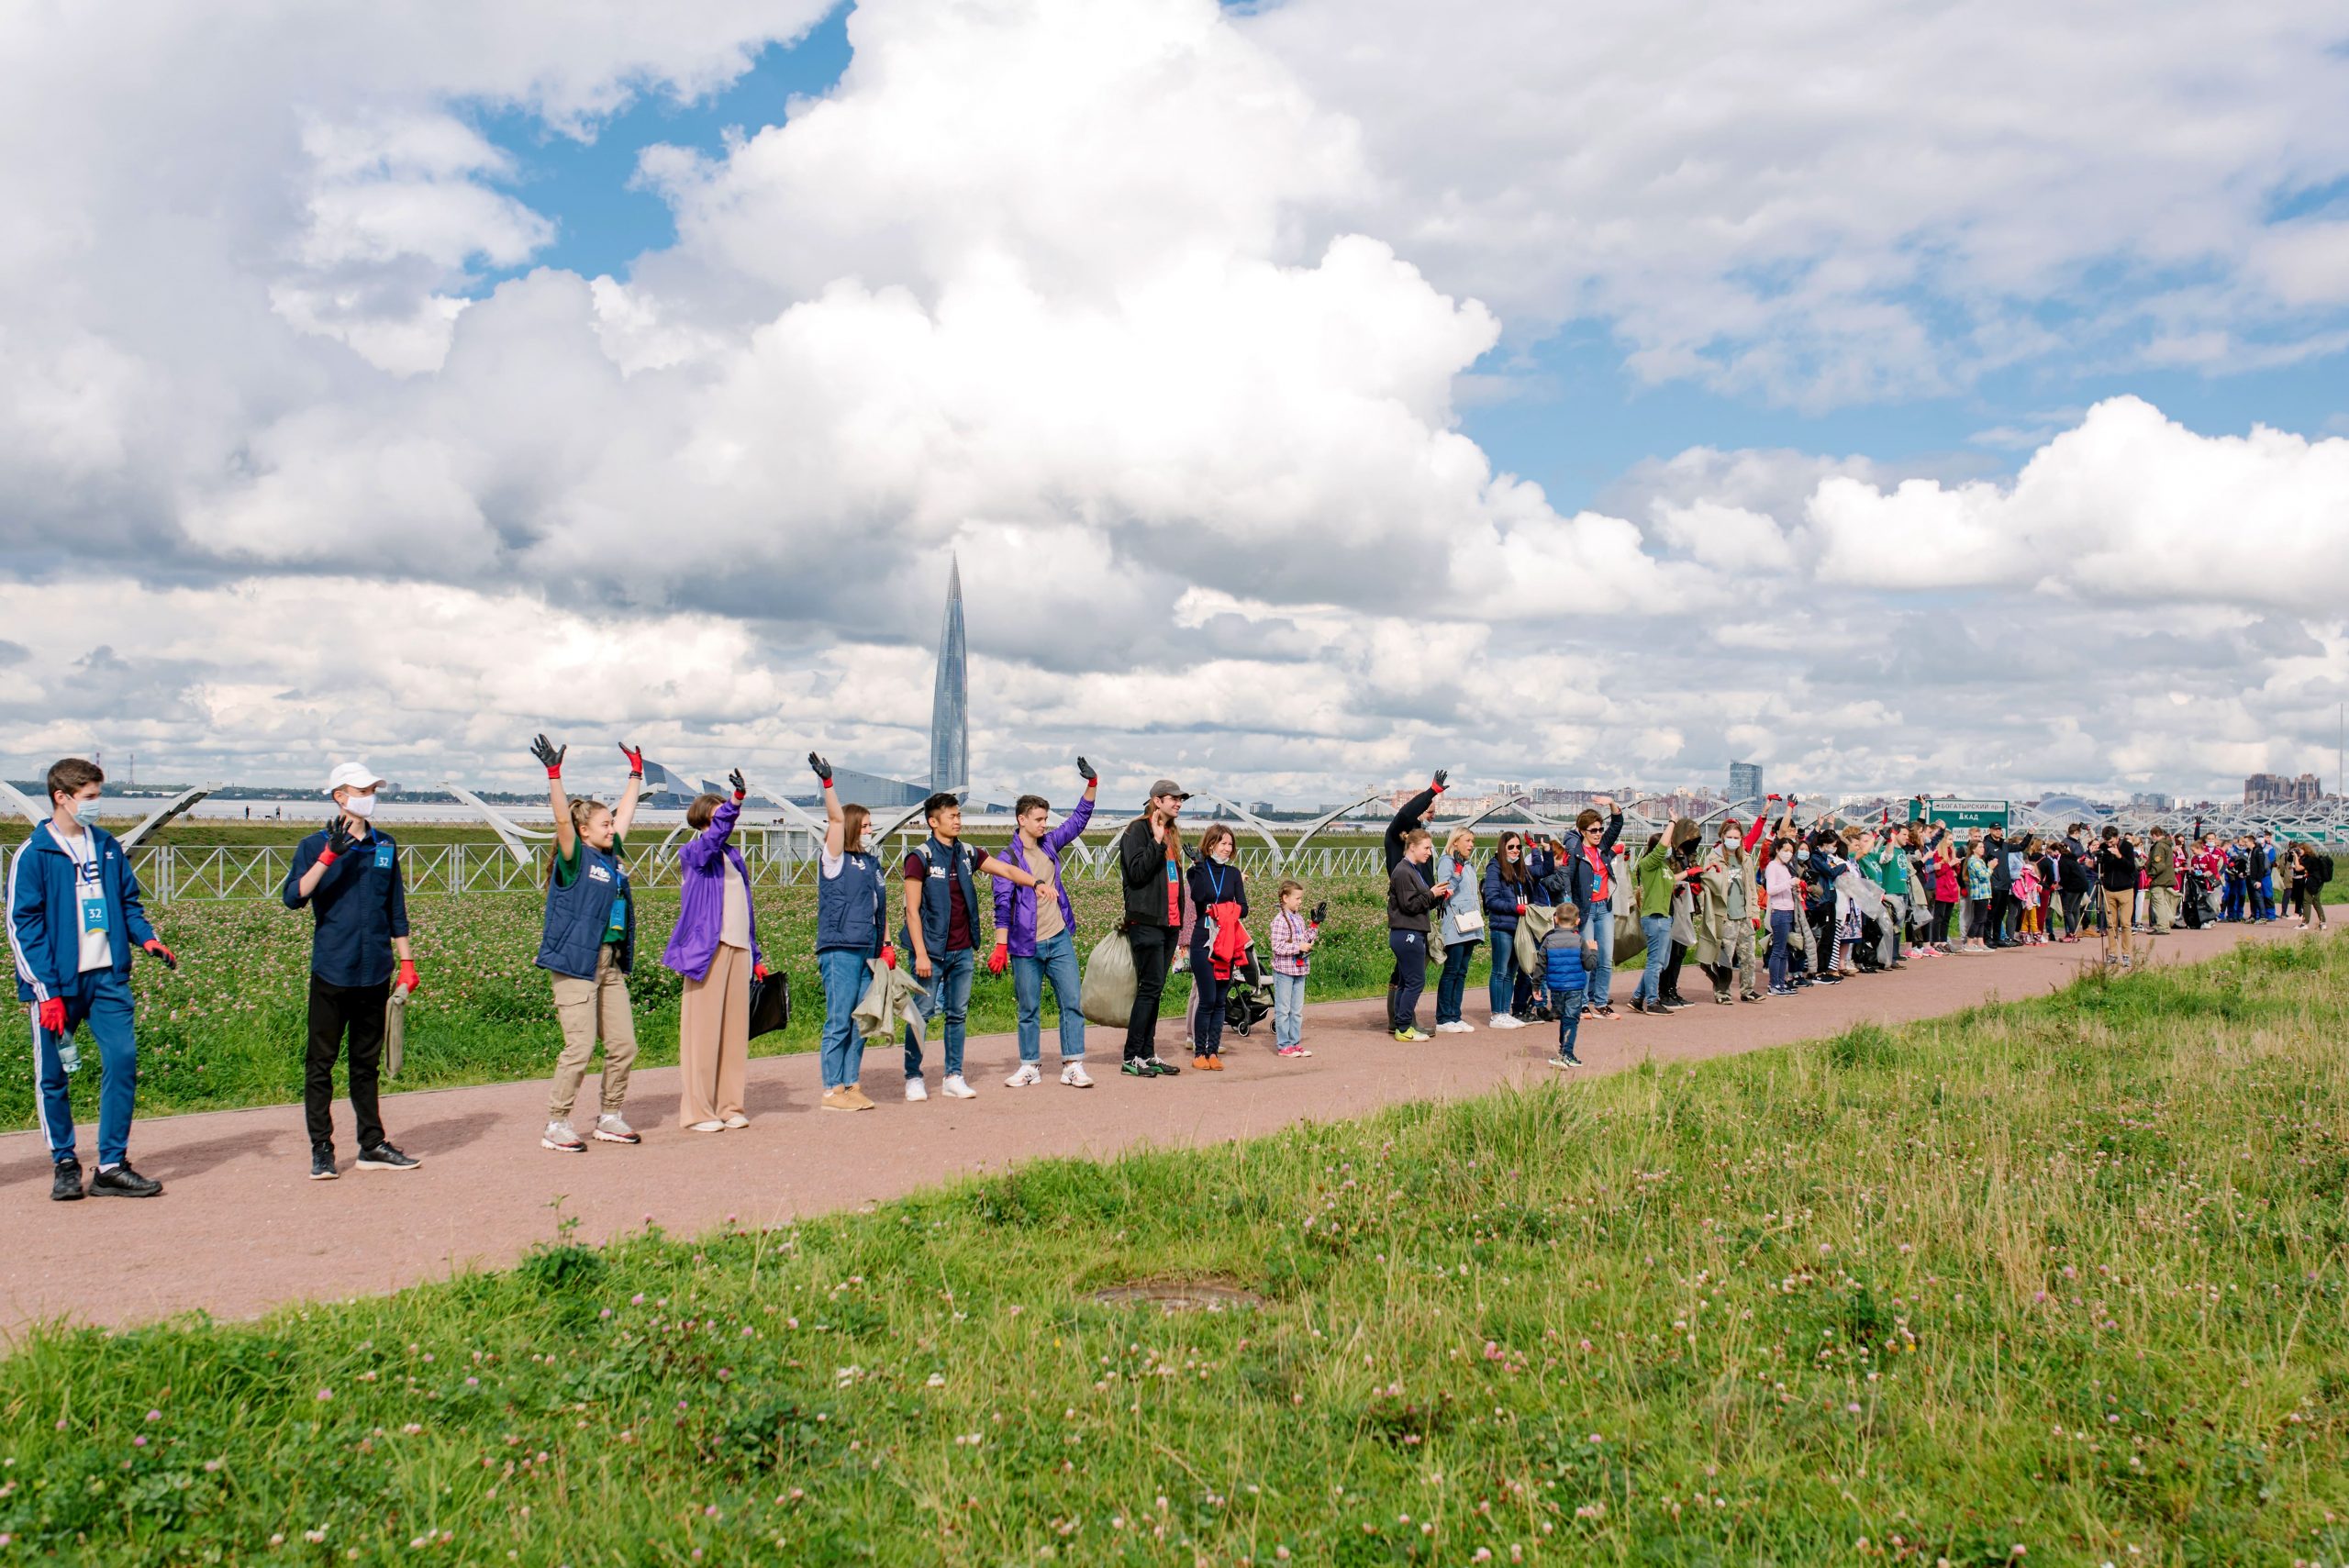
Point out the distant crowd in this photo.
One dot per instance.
(1761, 908)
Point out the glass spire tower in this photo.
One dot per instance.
(949, 716)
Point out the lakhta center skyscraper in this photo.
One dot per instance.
(950, 713)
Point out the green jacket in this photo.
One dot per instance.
(1654, 878)
(1886, 865)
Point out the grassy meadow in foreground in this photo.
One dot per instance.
(2060, 1280)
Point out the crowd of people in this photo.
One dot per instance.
(1764, 908)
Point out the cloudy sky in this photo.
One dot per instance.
(1317, 391)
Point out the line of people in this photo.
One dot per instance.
(1803, 908)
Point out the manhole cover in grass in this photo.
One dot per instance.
(1178, 1295)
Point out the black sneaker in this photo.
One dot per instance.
(1162, 1068)
(1138, 1067)
(322, 1165)
(123, 1182)
(66, 1186)
(384, 1157)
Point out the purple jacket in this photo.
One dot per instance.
(701, 896)
(1015, 907)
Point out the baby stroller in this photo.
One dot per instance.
(1248, 1002)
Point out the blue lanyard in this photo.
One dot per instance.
(1215, 879)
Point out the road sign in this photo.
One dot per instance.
(1960, 815)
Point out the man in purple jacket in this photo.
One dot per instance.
(1036, 928)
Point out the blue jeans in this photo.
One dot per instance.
(1289, 1009)
(1055, 961)
(1500, 986)
(844, 975)
(1602, 963)
(1452, 985)
(949, 993)
(1410, 951)
(1569, 1005)
(1656, 931)
(1781, 933)
(102, 1000)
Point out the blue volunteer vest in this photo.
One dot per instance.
(847, 906)
(578, 916)
(937, 913)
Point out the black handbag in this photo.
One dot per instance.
(770, 1004)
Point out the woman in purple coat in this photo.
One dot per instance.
(716, 948)
(1035, 929)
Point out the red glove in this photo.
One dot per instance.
(999, 959)
(407, 974)
(758, 972)
(635, 755)
(890, 955)
(52, 1014)
(156, 946)
(1520, 909)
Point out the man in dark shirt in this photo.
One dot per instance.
(348, 875)
(945, 950)
(2116, 873)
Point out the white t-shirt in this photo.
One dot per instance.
(734, 926)
(89, 900)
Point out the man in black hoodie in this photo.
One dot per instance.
(2002, 886)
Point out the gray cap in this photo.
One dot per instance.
(1167, 787)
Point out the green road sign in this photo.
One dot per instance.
(1960, 815)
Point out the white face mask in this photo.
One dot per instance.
(360, 805)
(1222, 857)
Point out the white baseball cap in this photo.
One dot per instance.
(352, 776)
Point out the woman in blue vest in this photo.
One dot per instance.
(850, 908)
(1220, 895)
(588, 946)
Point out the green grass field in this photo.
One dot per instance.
(2056, 1282)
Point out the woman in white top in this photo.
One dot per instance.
(1463, 928)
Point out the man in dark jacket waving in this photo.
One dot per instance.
(1416, 813)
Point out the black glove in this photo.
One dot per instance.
(823, 768)
(1441, 775)
(339, 838)
(1085, 770)
(742, 787)
(1321, 912)
(550, 755)
(1191, 854)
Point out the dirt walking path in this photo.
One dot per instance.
(242, 1227)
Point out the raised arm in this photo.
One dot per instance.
(624, 815)
(566, 841)
(835, 821)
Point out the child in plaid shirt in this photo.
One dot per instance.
(1293, 939)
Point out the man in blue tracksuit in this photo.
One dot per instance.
(73, 913)
(348, 874)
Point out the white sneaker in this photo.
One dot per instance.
(736, 1122)
(1074, 1076)
(1461, 1026)
(1507, 1021)
(1029, 1073)
(706, 1127)
(611, 1129)
(561, 1139)
(914, 1090)
(955, 1089)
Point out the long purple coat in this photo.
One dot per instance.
(701, 890)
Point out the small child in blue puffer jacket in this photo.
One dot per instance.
(1566, 968)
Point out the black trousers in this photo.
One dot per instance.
(2002, 906)
(1668, 982)
(2072, 897)
(335, 1011)
(1154, 955)
(1410, 951)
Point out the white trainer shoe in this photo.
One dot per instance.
(1507, 1021)
(611, 1129)
(915, 1091)
(561, 1138)
(955, 1089)
(1075, 1076)
(1029, 1073)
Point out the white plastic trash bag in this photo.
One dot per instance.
(1108, 992)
